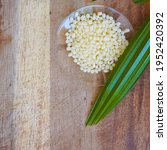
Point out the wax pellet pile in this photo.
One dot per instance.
(95, 41)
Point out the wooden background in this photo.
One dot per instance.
(45, 98)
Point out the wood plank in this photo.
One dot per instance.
(45, 98)
(31, 99)
(73, 92)
(26, 121)
(8, 44)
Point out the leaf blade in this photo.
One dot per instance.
(140, 1)
(143, 64)
(119, 71)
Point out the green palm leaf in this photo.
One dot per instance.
(126, 72)
(141, 1)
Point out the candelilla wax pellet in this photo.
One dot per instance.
(95, 41)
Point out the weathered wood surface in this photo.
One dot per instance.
(25, 75)
(45, 98)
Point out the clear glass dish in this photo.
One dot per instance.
(118, 17)
(65, 25)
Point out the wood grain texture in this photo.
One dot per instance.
(26, 117)
(45, 98)
(32, 80)
(74, 92)
(8, 44)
